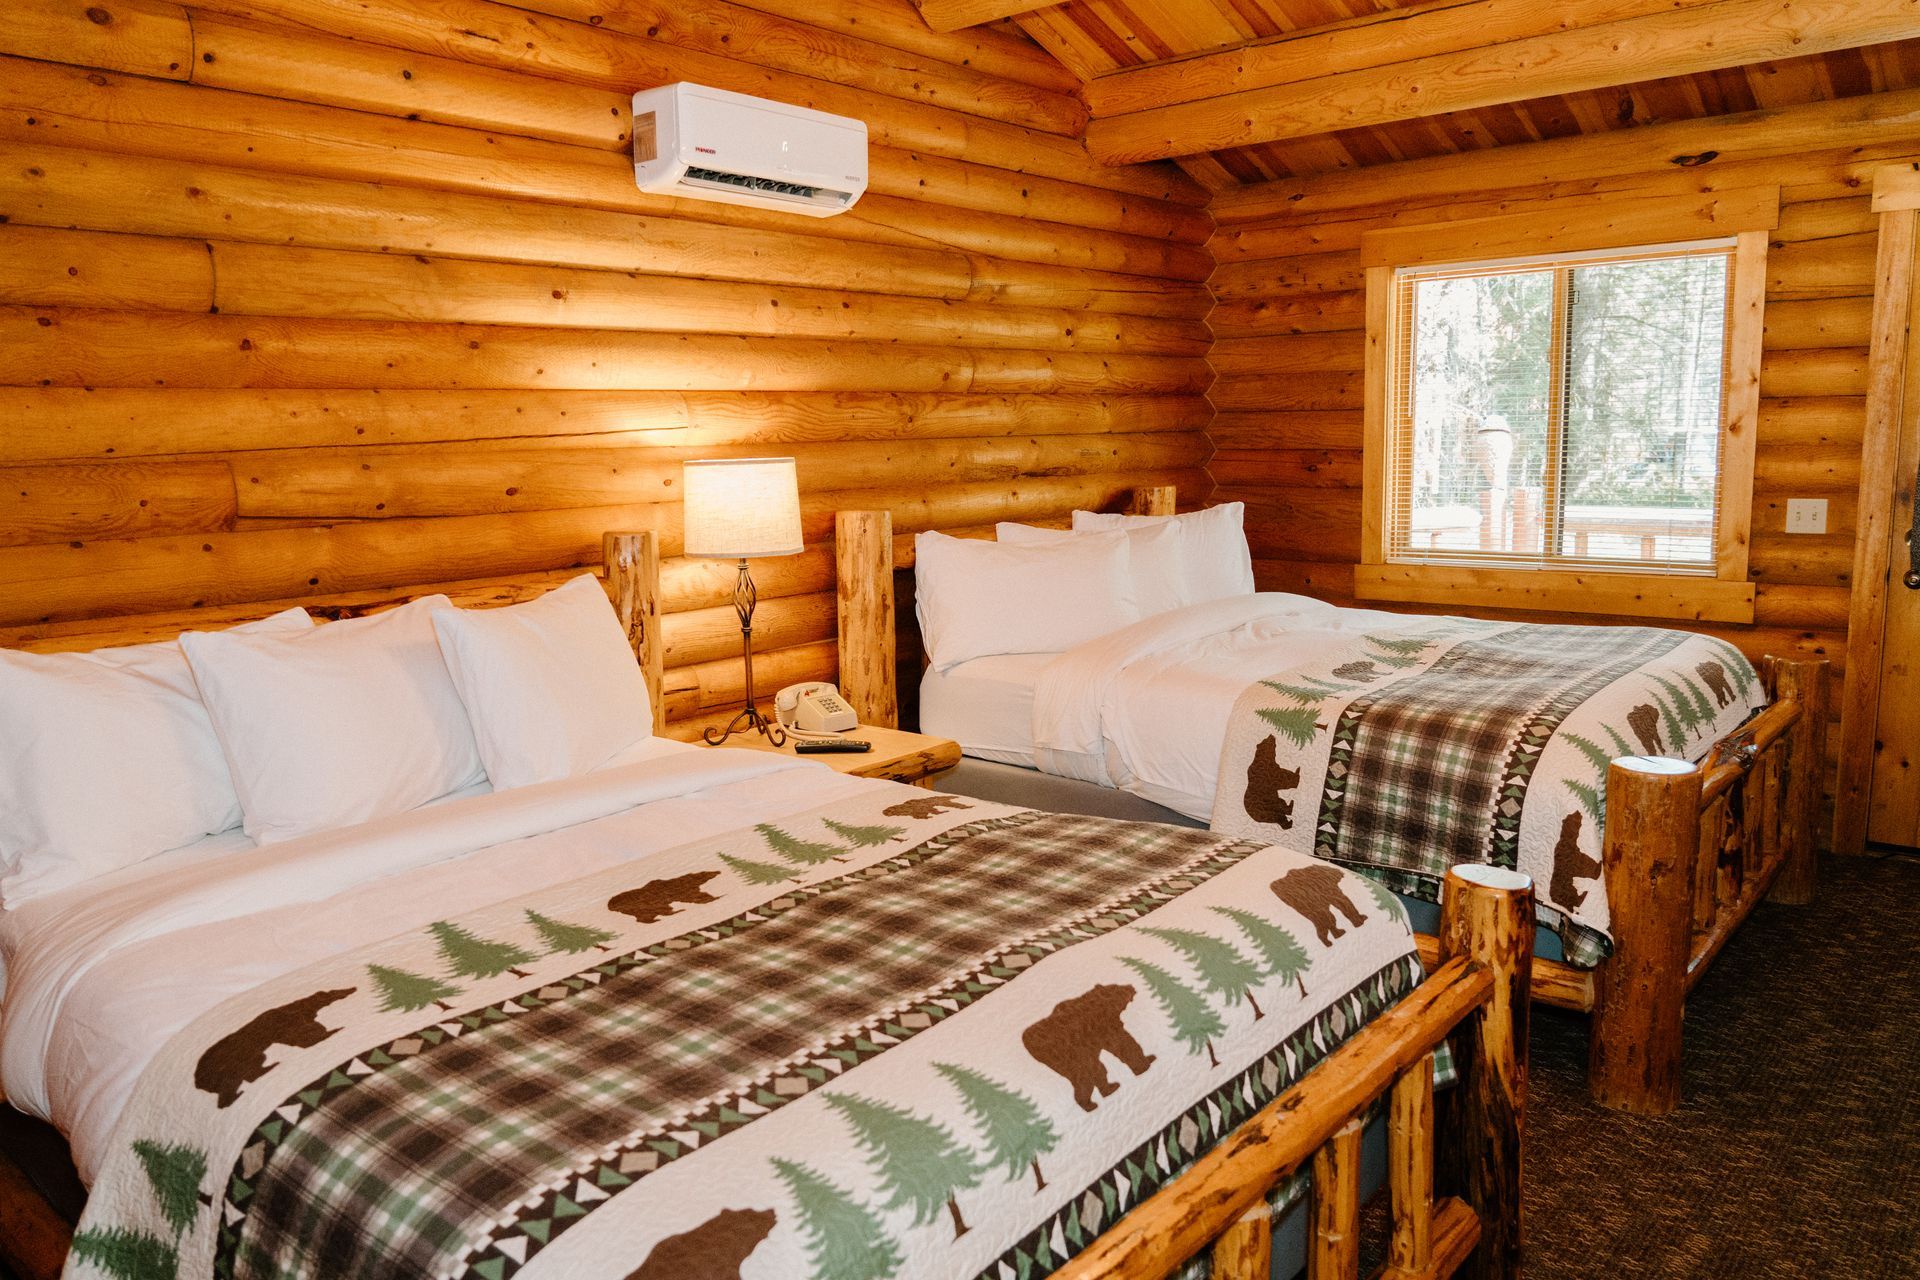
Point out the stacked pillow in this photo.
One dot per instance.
(1215, 557)
(1040, 590)
(975, 598)
(106, 759)
(287, 729)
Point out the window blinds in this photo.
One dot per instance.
(1560, 411)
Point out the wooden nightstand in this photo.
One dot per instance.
(896, 755)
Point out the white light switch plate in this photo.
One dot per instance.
(1806, 515)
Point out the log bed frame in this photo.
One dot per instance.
(1454, 1169)
(1688, 851)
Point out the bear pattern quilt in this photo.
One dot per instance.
(1401, 754)
(919, 1036)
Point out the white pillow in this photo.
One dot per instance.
(1218, 561)
(551, 686)
(107, 758)
(342, 724)
(975, 597)
(1157, 552)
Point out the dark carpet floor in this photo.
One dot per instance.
(1797, 1150)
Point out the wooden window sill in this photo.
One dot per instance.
(1631, 595)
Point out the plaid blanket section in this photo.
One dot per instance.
(1460, 740)
(917, 1037)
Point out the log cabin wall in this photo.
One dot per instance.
(304, 297)
(1290, 339)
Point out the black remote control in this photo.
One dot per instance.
(829, 746)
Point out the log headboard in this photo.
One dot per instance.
(630, 573)
(880, 651)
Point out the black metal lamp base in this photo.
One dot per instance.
(749, 719)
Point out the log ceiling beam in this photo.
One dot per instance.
(1701, 148)
(952, 15)
(1357, 44)
(1298, 98)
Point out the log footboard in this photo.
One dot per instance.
(1455, 1174)
(1690, 851)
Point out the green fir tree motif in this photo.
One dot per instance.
(409, 992)
(759, 872)
(1689, 706)
(1737, 667)
(1226, 972)
(470, 956)
(1403, 646)
(1016, 1131)
(1389, 901)
(130, 1255)
(1670, 724)
(174, 1174)
(1280, 952)
(571, 938)
(918, 1161)
(1397, 653)
(844, 1240)
(802, 853)
(1299, 724)
(1309, 689)
(865, 837)
(1195, 1024)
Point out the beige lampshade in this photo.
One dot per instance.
(738, 508)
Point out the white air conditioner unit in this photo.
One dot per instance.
(709, 144)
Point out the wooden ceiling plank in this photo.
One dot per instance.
(952, 15)
(1696, 38)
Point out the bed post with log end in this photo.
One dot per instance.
(1154, 500)
(633, 583)
(1486, 915)
(1805, 683)
(863, 566)
(1640, 993)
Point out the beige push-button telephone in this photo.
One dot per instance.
(816, 707)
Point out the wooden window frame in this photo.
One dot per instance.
(1726, 595)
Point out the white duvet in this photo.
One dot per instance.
(1145, 708)
(100, 976)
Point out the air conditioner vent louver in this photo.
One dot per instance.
(698, 143)
(768, 186)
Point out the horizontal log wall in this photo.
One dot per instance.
(1290, 327)
(308, 297)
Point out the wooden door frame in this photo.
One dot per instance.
(1893, 364)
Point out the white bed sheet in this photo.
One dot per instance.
(985, 705)
(1145, 708)
(104, 974)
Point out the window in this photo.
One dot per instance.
(1561, 413)
(1569, 431)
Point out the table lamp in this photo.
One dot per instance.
(740, 509)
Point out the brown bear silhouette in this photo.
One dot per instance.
(1716, 677)
(713, 1250)
(926, 807)
(1570, 864)
(1358, 670)
(1644, 720)
(1070, 1040)
(657, 899)
(1265, 781)
(1316, 893)
(238, 1058)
